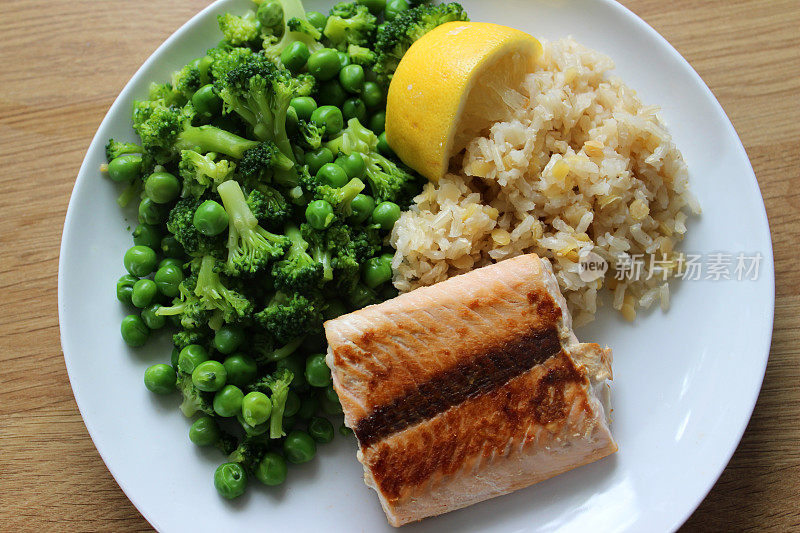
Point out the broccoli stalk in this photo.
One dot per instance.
(200, 172)
(341, 197)
(250, 247)
(278, 384)
(298, 271)
(116, 148)
(214, 296)
(301, 25)
(386, 179)
(265, 352)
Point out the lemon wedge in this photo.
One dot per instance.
(449, 86)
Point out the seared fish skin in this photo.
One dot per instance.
(468, 389)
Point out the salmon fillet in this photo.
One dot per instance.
(469, 389)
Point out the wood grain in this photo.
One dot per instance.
(65, 62)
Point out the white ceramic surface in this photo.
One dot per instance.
(686, 381)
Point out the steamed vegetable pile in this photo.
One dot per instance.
(266, 195)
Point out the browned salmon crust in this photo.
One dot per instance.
(450, 389)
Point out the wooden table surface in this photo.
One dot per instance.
(64, 62)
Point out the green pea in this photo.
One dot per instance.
(230, 480)
(377, 123)
(256, 408)
(324, 64)
(303, 106)
(375, 272)
(320, 429)
(319, 214)
(317, 19)
(147, 235)
(354, 108)
(372, 94)
(168, 279)
(352, 164)
(330, 117)
(331, 93)
(139, 260)
(330, 394)
(125, 168)
(386, 214)
(345, 431)
(206, 101)
(383, 147)
(295, 56)
(170, 247)
(160, 379)
(330, 407)
(316, 158)
(351, 78)
(335, 308)
(204, 431)
(370, 75)
(272, 469)
(333, 175)
(228, 338)
(150, 212)
(171, 262)
(162, 187)
(125, 288)
(362, 207)
(296, 366)
(241, 369)
(289, 423)
(252, 431)
(228, 401)
(151, 319)
(309, 406)
(190, 357)
(299, 447)
(209, 376)
(375, 7)
(134, 331)
(317, 372)
(270, 14)
(394, 8)
(210, 218)
(292, 404)
(143, 293)
(361, 296)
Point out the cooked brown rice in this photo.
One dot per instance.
(579, 165)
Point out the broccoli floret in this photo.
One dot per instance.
(194, 400)
(361, 55)
(259, 91)
(278, 385)
(289, 317)
(239, 30)
(350, 23)
(298, 271)
(214, 296)
(190, 78)
(250, 247)
(326, 245)
(201, 172)
(250, 451)
(116, 149)
(365, 242)
(269, 206)
(395, 38)
(292, 9)
(223, 60)
(184, 338)
(165, 94)
(387, 180)
(226, 443)
(263, 162)
(181, 224)
(303, 26)
(341, 197)
(305, 133)
(165, 131)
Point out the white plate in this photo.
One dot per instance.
(686, 381)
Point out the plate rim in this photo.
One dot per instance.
(768, 265)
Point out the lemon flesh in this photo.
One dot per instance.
(449, 86)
